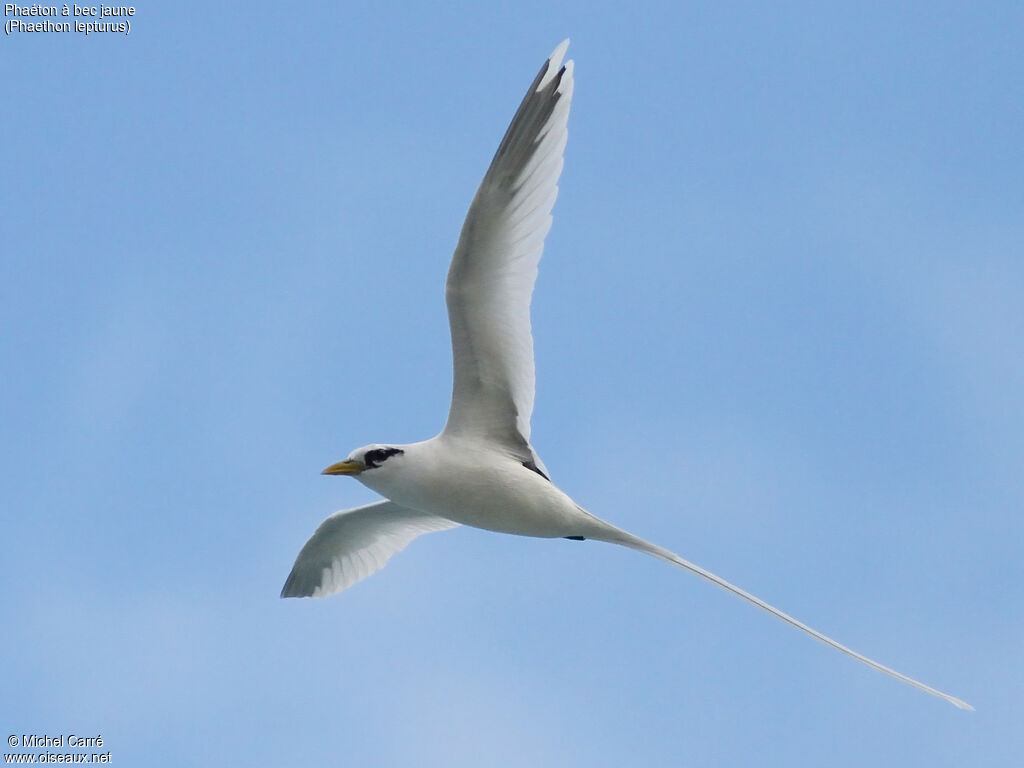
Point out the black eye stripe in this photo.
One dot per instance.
(377, 456)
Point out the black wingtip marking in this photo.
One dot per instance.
(289, 588)
(295, 586)
(532, 114)
(575, 538)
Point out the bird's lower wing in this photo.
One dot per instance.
(354, 543)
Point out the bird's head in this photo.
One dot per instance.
(370, 459)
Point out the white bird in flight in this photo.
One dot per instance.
(481, 469)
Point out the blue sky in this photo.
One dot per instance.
(778, 330)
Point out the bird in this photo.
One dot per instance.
(481, 470)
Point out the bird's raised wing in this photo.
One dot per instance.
(491, 278)
(350, 545)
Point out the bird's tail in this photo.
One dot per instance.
(617, 536)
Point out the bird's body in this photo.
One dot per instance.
(482, 470)
(473, 485)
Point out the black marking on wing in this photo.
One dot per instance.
(576, 538)
(534, 112)
(531, 464)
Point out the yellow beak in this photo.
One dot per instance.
(345, 468)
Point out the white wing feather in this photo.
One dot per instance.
(494, 268)
(350, 545)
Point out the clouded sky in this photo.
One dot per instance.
(778, 327)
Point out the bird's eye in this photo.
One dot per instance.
(378, 456)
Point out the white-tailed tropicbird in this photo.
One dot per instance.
(481, 469)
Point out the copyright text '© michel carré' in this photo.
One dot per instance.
(37, 741)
